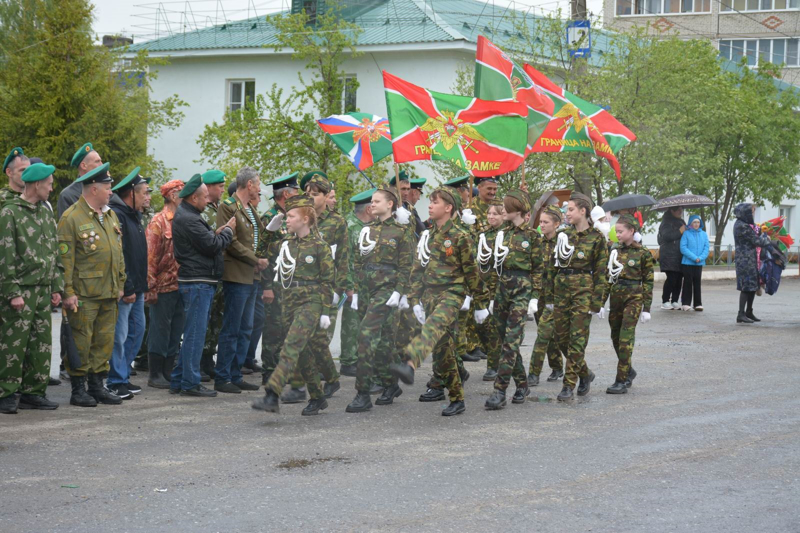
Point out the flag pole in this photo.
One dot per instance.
(365, 176)
(471, 186)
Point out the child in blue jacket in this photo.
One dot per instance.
(694, 248)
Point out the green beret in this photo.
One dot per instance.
(628, 220)
(305, 179)
(131, 180)
(192, 185)
(82, 152)
(417, 183)
(97, 175)
(212, 177)
(363, 197)
(322, 183)
(403, 176)
(522, 196)
(301, 200)
(458, 182)
(288, 181)
(13, 154)
(37, 172)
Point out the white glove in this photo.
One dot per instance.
(324, 322)
(333, 251)
(335, 299)
(419, 312)
(394, 300)
(275, 223)
(465, 305)
(403, 303)
(601, 314)
(549, 307)
(354, 302)
(468, 218)
(645, 317)
(481, 316)
(533, 307)
(491, 307)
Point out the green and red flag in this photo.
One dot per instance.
(776, 230)
(363, 137)
(578, 126)
(498, 77)
(485, 138)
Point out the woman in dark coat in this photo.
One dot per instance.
(669, 256)
(747, 237)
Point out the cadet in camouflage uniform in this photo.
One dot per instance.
(90, 246)
(545, 339)
(32, 281)
(214, 180)
(445, 269)
(517, 261)
(13, 166)
(351, 318)
(630, 271)
(384, 259)
(306, 273)
(485, 255)
(578, 277)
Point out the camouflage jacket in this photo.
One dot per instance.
(6, 194)
(637, 263)
(480, 209)
(394, 252)
(452, 264)
(209, 214)
(271, 246)
(523, 253)
(241, 256)
(488, 272)
(162, 267)
(91, 252)
(333, 230)
(591, 256)
(545, 288)
(314, 270)
(28, 253)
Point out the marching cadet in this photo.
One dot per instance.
(214, 180)
(332, 228)
(14, 165)
(414, 195)
(545, 343)
(485, 256)
(384, 259)
(445, 269)
(306, 274)
(516, 261)
(90, 246)
(32, 282)
(630, 273)
(578, 277)
(353, 314)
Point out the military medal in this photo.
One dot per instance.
(309, 259)
(93, 247)
(581, 255)
(84, 235)
(525, 244)
(631, 263)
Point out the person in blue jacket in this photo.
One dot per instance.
(694, 249)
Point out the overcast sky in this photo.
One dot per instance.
(141, 18)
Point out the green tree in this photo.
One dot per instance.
(59, 90)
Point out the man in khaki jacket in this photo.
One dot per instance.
(241, 280)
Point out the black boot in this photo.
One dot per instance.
(8, 405)
(294, 396)
(155, 365)
(329, 388)
(315, 406)
(520, 395)
(617, 388)
(361, 403)
(490, 375)
(464, 375)
(496, 401)
(169, 366)
(375, 389)
(555, 375)
(565, 394)
(455, 408)
(749, 314)
(470, 357)
(31, 401)
(79, 396)
(533, 380)
(389, 394)
(403, 372)
(432, 395)
(629, 379)
(269, 403)
(348, 370)
(477, 352)
(100, 393)
(742, 318)
(585, 384)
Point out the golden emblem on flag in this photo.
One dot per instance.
(451, 132)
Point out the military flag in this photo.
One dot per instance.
(363, 137)
(776, 230)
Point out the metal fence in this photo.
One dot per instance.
(724, 256)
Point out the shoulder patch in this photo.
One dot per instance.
(230, 201)
(63, 248)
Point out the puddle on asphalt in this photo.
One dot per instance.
(291, 464)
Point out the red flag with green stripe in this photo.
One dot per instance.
(498, 77)
(485, 138)
(578, 126)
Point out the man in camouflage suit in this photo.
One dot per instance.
(90, 246)
(631, 297)
(14, 165)
(32, 282)
(440, 281)
(214, 180)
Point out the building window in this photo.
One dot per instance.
(758, 5)
(349, 103)
(778, 51)
(657, 7)
(786, 211)
(241, 93)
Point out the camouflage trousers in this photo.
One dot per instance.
(273, 335)
(545, 343)
(297, 355)
(491, 341)
(438, 336)
(626, 307)
(407, 326)
(467, 339)
(320, 346)
(572, 319)
(376, 342)
(93, 329)
(25, 343)
(511, 309)
(351, 324)
(214, 329)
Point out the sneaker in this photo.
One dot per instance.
(686, 308)
(676, 305)
(199, 391)
(134, 389)
(120, 390)
(243, 385)
(667, 306)
(698, 308)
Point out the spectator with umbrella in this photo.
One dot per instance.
(669, 257)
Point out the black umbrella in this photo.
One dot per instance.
(628, 201)
(684, 200)
(68, 342)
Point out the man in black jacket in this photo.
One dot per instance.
(131, 198)
(198, 251)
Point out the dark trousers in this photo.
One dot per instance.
(692, 274)
(672, 287)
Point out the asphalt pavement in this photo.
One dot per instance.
(706, 440)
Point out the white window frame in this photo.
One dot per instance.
(661, 13)
(229, 92)
(345, 78)
(758, 43)
(730, 11)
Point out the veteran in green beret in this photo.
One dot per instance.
(32, 282)
(85, 160)
(414, 196)
(13, 166)
(90, 248)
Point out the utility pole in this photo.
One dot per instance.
(579, 69)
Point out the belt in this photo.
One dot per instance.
(516, 272)
(301, 283)
(379, 266)
(573, 271)
(629, 282)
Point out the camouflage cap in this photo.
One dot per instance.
(581, 196)
(307, 178)
(451, 195)
(301, 200)
(553, 210)
(629, 220)
(318, 181)
(522, 196)
(392, 191)
(12, 155)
